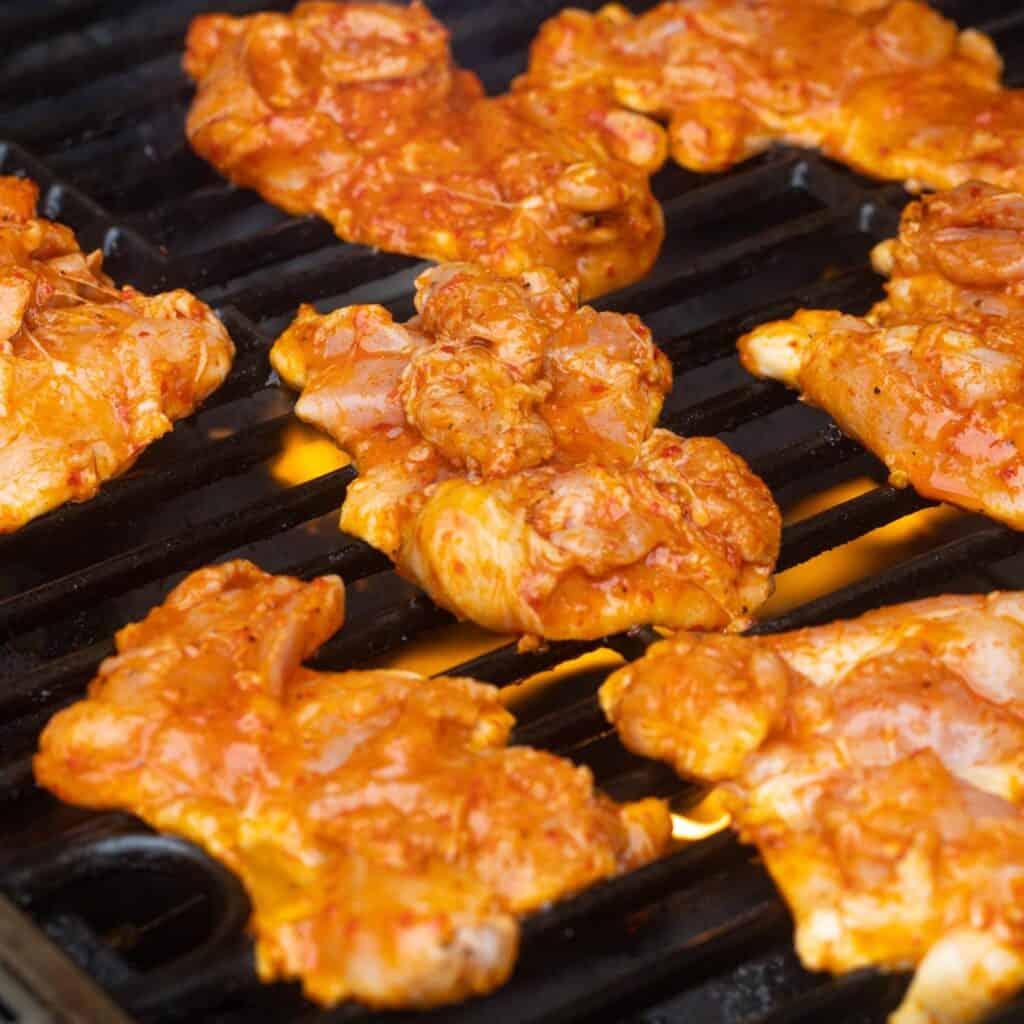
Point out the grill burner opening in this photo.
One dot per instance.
(148, 900)
(92, 106)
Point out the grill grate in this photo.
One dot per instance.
(93, 99)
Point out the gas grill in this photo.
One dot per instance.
(102, 920)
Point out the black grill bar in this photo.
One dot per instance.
(62, 679)
(95, 227)
(386, 632)
(828, 447)
(560, 729)
(726, 412)
(508, 664)
(1012, 1013)
(51, 684)
(86, 859)
(729, 265)
(276, 243)
(131, 94)
(19, 25)
(179, 553)
(810, 537)
(774, 173)
(626, 893)
(191, 213)
(847, 994)
(852, 291)
(219, 459)
(589, 989)
(903, 580)
(116, 43)
(272, 292)
(784, 231)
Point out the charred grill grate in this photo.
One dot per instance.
(92, 100)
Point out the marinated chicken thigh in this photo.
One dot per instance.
(386, 835)
(932, 379)
(356, 112)
(509, 465)
(891, 88)
(90, 374)
(878, 766)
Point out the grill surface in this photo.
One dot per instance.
(92, 103)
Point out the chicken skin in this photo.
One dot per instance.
(508, 461)
(356, 112)
(878, 766)
(932, 379)
(890, 88)
(386, 835)
(90, 374)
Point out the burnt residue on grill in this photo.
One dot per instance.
(92, 104)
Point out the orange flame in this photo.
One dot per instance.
(864, 556)
(701, 821)
(305, 455)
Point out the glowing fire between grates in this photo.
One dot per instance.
(307, 454)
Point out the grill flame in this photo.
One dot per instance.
(868, 554)
(701, 821)
(305, 455)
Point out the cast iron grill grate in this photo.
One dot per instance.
(92, 101)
